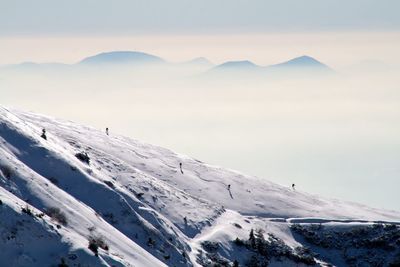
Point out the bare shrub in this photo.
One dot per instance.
(6, 171)
(96, 242)
(27, 210)
(83, 156)
(57, 215)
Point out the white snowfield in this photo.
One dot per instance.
(134, 196)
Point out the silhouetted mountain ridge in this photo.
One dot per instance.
(122, 57)
(301, 62)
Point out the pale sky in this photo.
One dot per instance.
(337, 32)
(59, 17)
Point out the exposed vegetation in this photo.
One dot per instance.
(27, 210)
(96, 242)
(109, 183)
(264, 250)
(57, 215)
(260, 251)
(83, 156)
(377, 245)
(6, 171)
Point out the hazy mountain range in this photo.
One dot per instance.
(137, 60)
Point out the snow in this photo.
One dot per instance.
(134, 196)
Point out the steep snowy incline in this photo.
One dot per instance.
(248, 195)
(30, 237)
(108, 200)
(37, 192)
(132, 202)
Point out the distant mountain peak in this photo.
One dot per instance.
(122, 57)
(305, 60)
(302, 62)
(241, 63)
(236, 65)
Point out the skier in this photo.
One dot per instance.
(107, 131)
(185, 220)
(293, 186)
(229, 190)
(44, 134)
(180, 166)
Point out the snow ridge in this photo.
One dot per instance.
(135, 198)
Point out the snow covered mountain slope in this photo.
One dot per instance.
(80, 196)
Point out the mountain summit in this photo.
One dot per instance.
(303, 62)
(122, 57)
(237, 65)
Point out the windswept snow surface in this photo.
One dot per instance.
(135, 197)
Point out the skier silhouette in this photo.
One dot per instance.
(180, 166)
(107, 131)
(44, 134)
(293, 186)
(229, 190)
